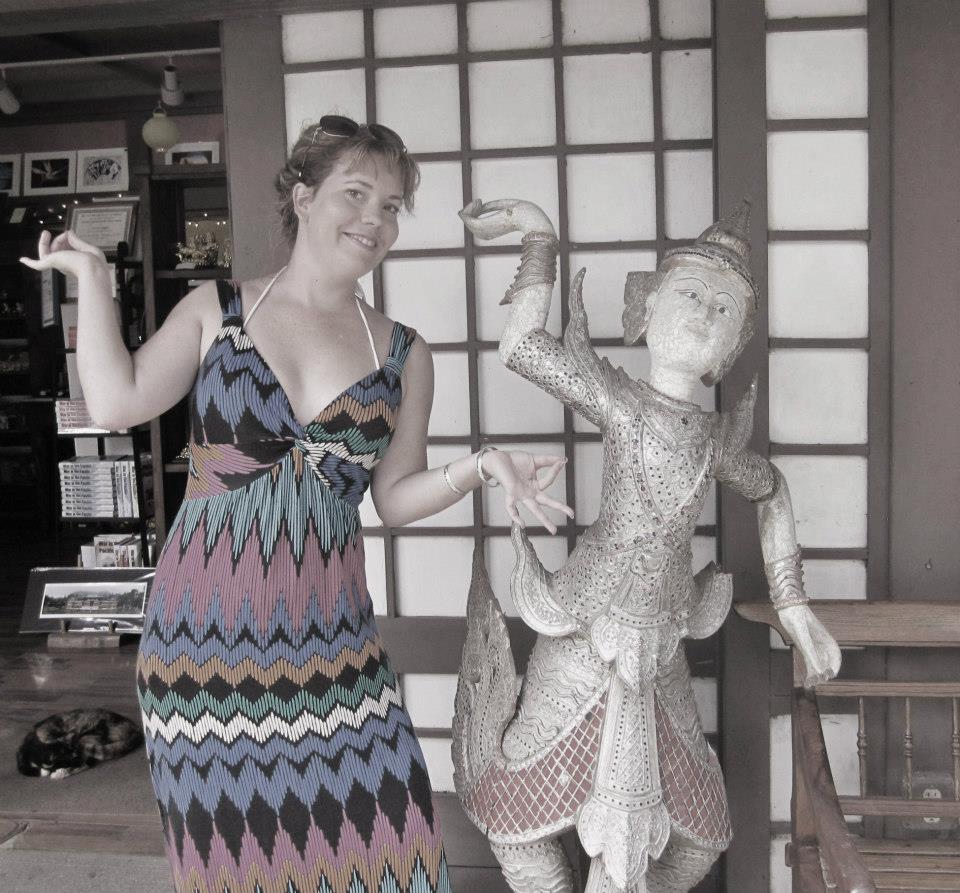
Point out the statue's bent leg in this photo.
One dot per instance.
(681, 866)
(538, 867)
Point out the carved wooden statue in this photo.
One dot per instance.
(604, 735)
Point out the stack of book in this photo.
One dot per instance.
(112, 550)
(104, 487)
(73, 418)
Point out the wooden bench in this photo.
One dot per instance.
(824, 853)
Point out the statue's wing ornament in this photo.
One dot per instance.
(487, 689)
(533, 593)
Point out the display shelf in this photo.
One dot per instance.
(185, 171)
(204, 273)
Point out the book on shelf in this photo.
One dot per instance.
(73, 418)
(104, 486)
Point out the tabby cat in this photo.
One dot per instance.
(70, 742)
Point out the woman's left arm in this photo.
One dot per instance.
(405, 490)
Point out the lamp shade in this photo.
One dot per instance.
(9, 104)
(159, 131)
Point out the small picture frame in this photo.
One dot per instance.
(86, 599)
(49, 173)
(10, 174)
(193, 153)
(103, 170)
(104, 224)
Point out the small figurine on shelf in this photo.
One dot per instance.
(200, 252)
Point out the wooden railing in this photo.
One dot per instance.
(823, 854)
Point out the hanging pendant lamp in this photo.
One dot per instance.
(160, 132)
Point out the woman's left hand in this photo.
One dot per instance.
(517, 472)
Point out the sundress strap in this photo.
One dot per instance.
(228, 293)
(401, 341)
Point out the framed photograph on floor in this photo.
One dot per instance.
(86, 599)
(10, 174)
(49, 173)
(104, 224)
(193, 153)
(103, 170)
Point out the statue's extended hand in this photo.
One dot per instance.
(487, 220)
(821, 654)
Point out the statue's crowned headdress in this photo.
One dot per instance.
(725, 243)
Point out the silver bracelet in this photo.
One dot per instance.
(447, 480)
(490, 481)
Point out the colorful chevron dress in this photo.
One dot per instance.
(282, 756)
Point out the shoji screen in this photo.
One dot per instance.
(603, 120)
(820, 288)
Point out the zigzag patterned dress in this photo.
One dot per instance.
(282, 757)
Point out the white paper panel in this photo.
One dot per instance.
(687, 83)
(621, 20)
(818, 289)
(512, 103)
(493, 273)
(501, 558)
(415, 30)
(436, 754)
(704, 551)
(434, 222)
(840, 735)
(817, 74)
(368, 512)
(366, 285)
(829, 496)
(688, 177)
(494, 509)
(450, 413)
(429, 294)
(685, 18)
(319, 36)
(781, 878)
(817, 180)
(460, 514)
(429, 698)
(509, 24)
(784, 9)
(603, 285)
(311, 95)
(835, 579)
(705, 694)
(611, 197)
(421, 103)
(588, 477)
(818, 396)
(376, 573)
(608, 98)
(511, 404)
(533, 179)
(433, 575)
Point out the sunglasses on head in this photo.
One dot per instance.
(340, 125)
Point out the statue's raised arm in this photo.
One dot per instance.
(605, 737)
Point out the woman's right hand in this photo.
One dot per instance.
(67, 253)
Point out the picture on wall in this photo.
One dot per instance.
(103, 170)
(193, 153)
(48, 173)
(105, 224)
(80, 601)
(10, 174)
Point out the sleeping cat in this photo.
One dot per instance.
(70, 742)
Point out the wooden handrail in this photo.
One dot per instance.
(896, 624)
(847, 868)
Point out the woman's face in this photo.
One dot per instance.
(351, 220)
(696, 319)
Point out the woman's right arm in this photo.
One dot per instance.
(123, 389)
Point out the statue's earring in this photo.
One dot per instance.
(637, 290)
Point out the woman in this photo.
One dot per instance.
(281, 754)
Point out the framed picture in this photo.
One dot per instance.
(86, 599)
(49, 173)
(10, 174)
(104, 224)
(193, 153)
(103, 170)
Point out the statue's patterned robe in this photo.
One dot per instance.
(607, 736)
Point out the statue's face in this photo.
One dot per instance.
(696, 318)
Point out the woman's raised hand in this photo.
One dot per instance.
(487, 220)
(517, 472)
(67, 253)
